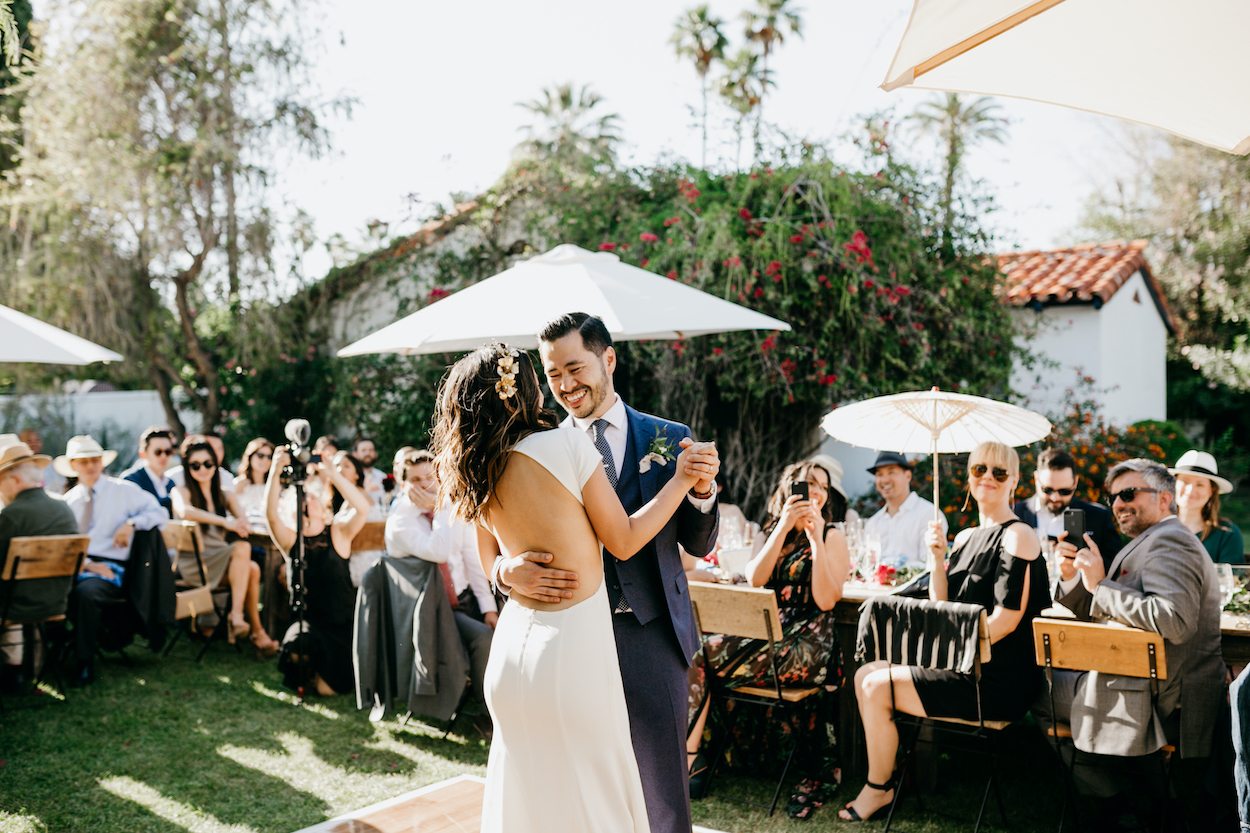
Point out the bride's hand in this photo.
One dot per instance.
(698, 464)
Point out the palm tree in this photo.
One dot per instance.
(743, 86)
(698, 35)
(958, 126)
(766, 25)
(568, 129)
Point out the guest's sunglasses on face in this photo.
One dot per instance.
(980, 469)
(162, 452)
(1127, 495)
(1050, 490)
(197, 465)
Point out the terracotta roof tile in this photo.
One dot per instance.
(1090, 273)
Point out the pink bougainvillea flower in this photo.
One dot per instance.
(607, 247)
(718, 351)
(796, 238)
(773, 268)
(671, 274)
(768, 343)
(671, 221)
(648, 237)
(744, 213)
(759, 292)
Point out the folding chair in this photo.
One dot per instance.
(191, 600)
(751, 612)
(1114, 649)
(53, 561)
(919, 632)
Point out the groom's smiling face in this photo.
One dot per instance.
(580, 380)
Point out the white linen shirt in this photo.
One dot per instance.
(1046, 522)
(902, 534)
(445, 540)
(115, 501)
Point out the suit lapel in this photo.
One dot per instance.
(641, 430)
(1130, 547)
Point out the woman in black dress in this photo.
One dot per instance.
(994, 564)
(326, 647)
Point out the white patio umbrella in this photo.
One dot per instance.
(935, 422)
(1180, 66)
(28, 339)
(514, 305)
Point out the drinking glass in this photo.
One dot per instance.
(1228, 584)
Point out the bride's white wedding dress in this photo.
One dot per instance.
(561, 759)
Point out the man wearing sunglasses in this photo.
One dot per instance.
(1161, 581)
(156, 451)
(1057, 482)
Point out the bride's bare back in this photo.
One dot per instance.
(532, 510)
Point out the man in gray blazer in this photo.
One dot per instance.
(1162, 581)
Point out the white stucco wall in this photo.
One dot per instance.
(1122, 347)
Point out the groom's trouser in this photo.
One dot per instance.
(653, 672)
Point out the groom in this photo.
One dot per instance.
(652, 619)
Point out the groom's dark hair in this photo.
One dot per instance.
(594, 332)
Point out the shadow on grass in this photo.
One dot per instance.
(168, 744)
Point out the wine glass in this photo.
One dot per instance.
(1228, 583)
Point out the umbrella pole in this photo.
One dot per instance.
(937, 507)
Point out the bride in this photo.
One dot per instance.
(561, 759)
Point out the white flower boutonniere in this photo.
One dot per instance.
(659, 451)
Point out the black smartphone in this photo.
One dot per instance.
(1074, 525)
(800, 489)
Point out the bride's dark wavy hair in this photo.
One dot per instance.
(474, 429)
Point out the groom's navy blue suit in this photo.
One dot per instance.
(657, 640)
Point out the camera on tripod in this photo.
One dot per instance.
(298, 432)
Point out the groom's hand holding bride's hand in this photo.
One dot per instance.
(701, 461)
(526, 574)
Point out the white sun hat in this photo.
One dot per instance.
(1202, 464)
(82, 447)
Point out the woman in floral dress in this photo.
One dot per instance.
(803, 558)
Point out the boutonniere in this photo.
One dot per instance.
(659, 451)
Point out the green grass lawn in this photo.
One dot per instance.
(169, 745)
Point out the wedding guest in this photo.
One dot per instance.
(224, 551)
(156, 451)
(802, 556)
(324, 651)
(901, 524)
(53, 481)
(249, 486)
(994, 564)
(839, 501)
(1198, 490)
(108, 511)
(1056, 483)
(178, 473)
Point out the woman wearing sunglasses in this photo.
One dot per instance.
(249, 487)
(994, 564)
(225, 551)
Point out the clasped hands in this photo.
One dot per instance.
(1087, 561)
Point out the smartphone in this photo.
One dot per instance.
(1074, 525)
(800, 489)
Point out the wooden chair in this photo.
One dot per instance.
(55, 559)
(904, 647)
(750, 612)
(1072, 645)
(192, 600)
(371, 538)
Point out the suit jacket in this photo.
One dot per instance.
(35, 512)
(654, 580)
(149, 585)
(1098, 522)
(140, 477)
(1162, 581)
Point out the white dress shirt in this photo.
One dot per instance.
(114, 501)
(902, 534)
(1047, 523)
(445, 539)
(158, 482)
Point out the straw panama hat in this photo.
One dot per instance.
(1202, 464)
(82, 447)
(834, 468)
(15, 453)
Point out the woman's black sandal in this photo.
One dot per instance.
(889, 785)
(699, 772)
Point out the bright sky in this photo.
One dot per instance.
(437, 86)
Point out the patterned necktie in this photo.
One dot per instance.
(444, 570)
(601, 445)
(88, 510)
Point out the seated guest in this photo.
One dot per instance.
(1162, 581)
(108, 510)
(801, 556)
(839, 501)
(219, 448)
(28, 510)
(1056, 483)
(364, 450)
(994, 564)
(326, 447)
(324, 651)
(156, 450)
(1198, 490)
(53, 482)
(249, 486)
(224, 550)
(397, 471)
(902, 523)
(353, 470)
(413, 528)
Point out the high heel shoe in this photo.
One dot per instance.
(699, 772)
(852, 815)
(266, 648)
(237, 629)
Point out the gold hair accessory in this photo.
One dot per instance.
(507, 367)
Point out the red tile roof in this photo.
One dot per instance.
(1088, 274)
